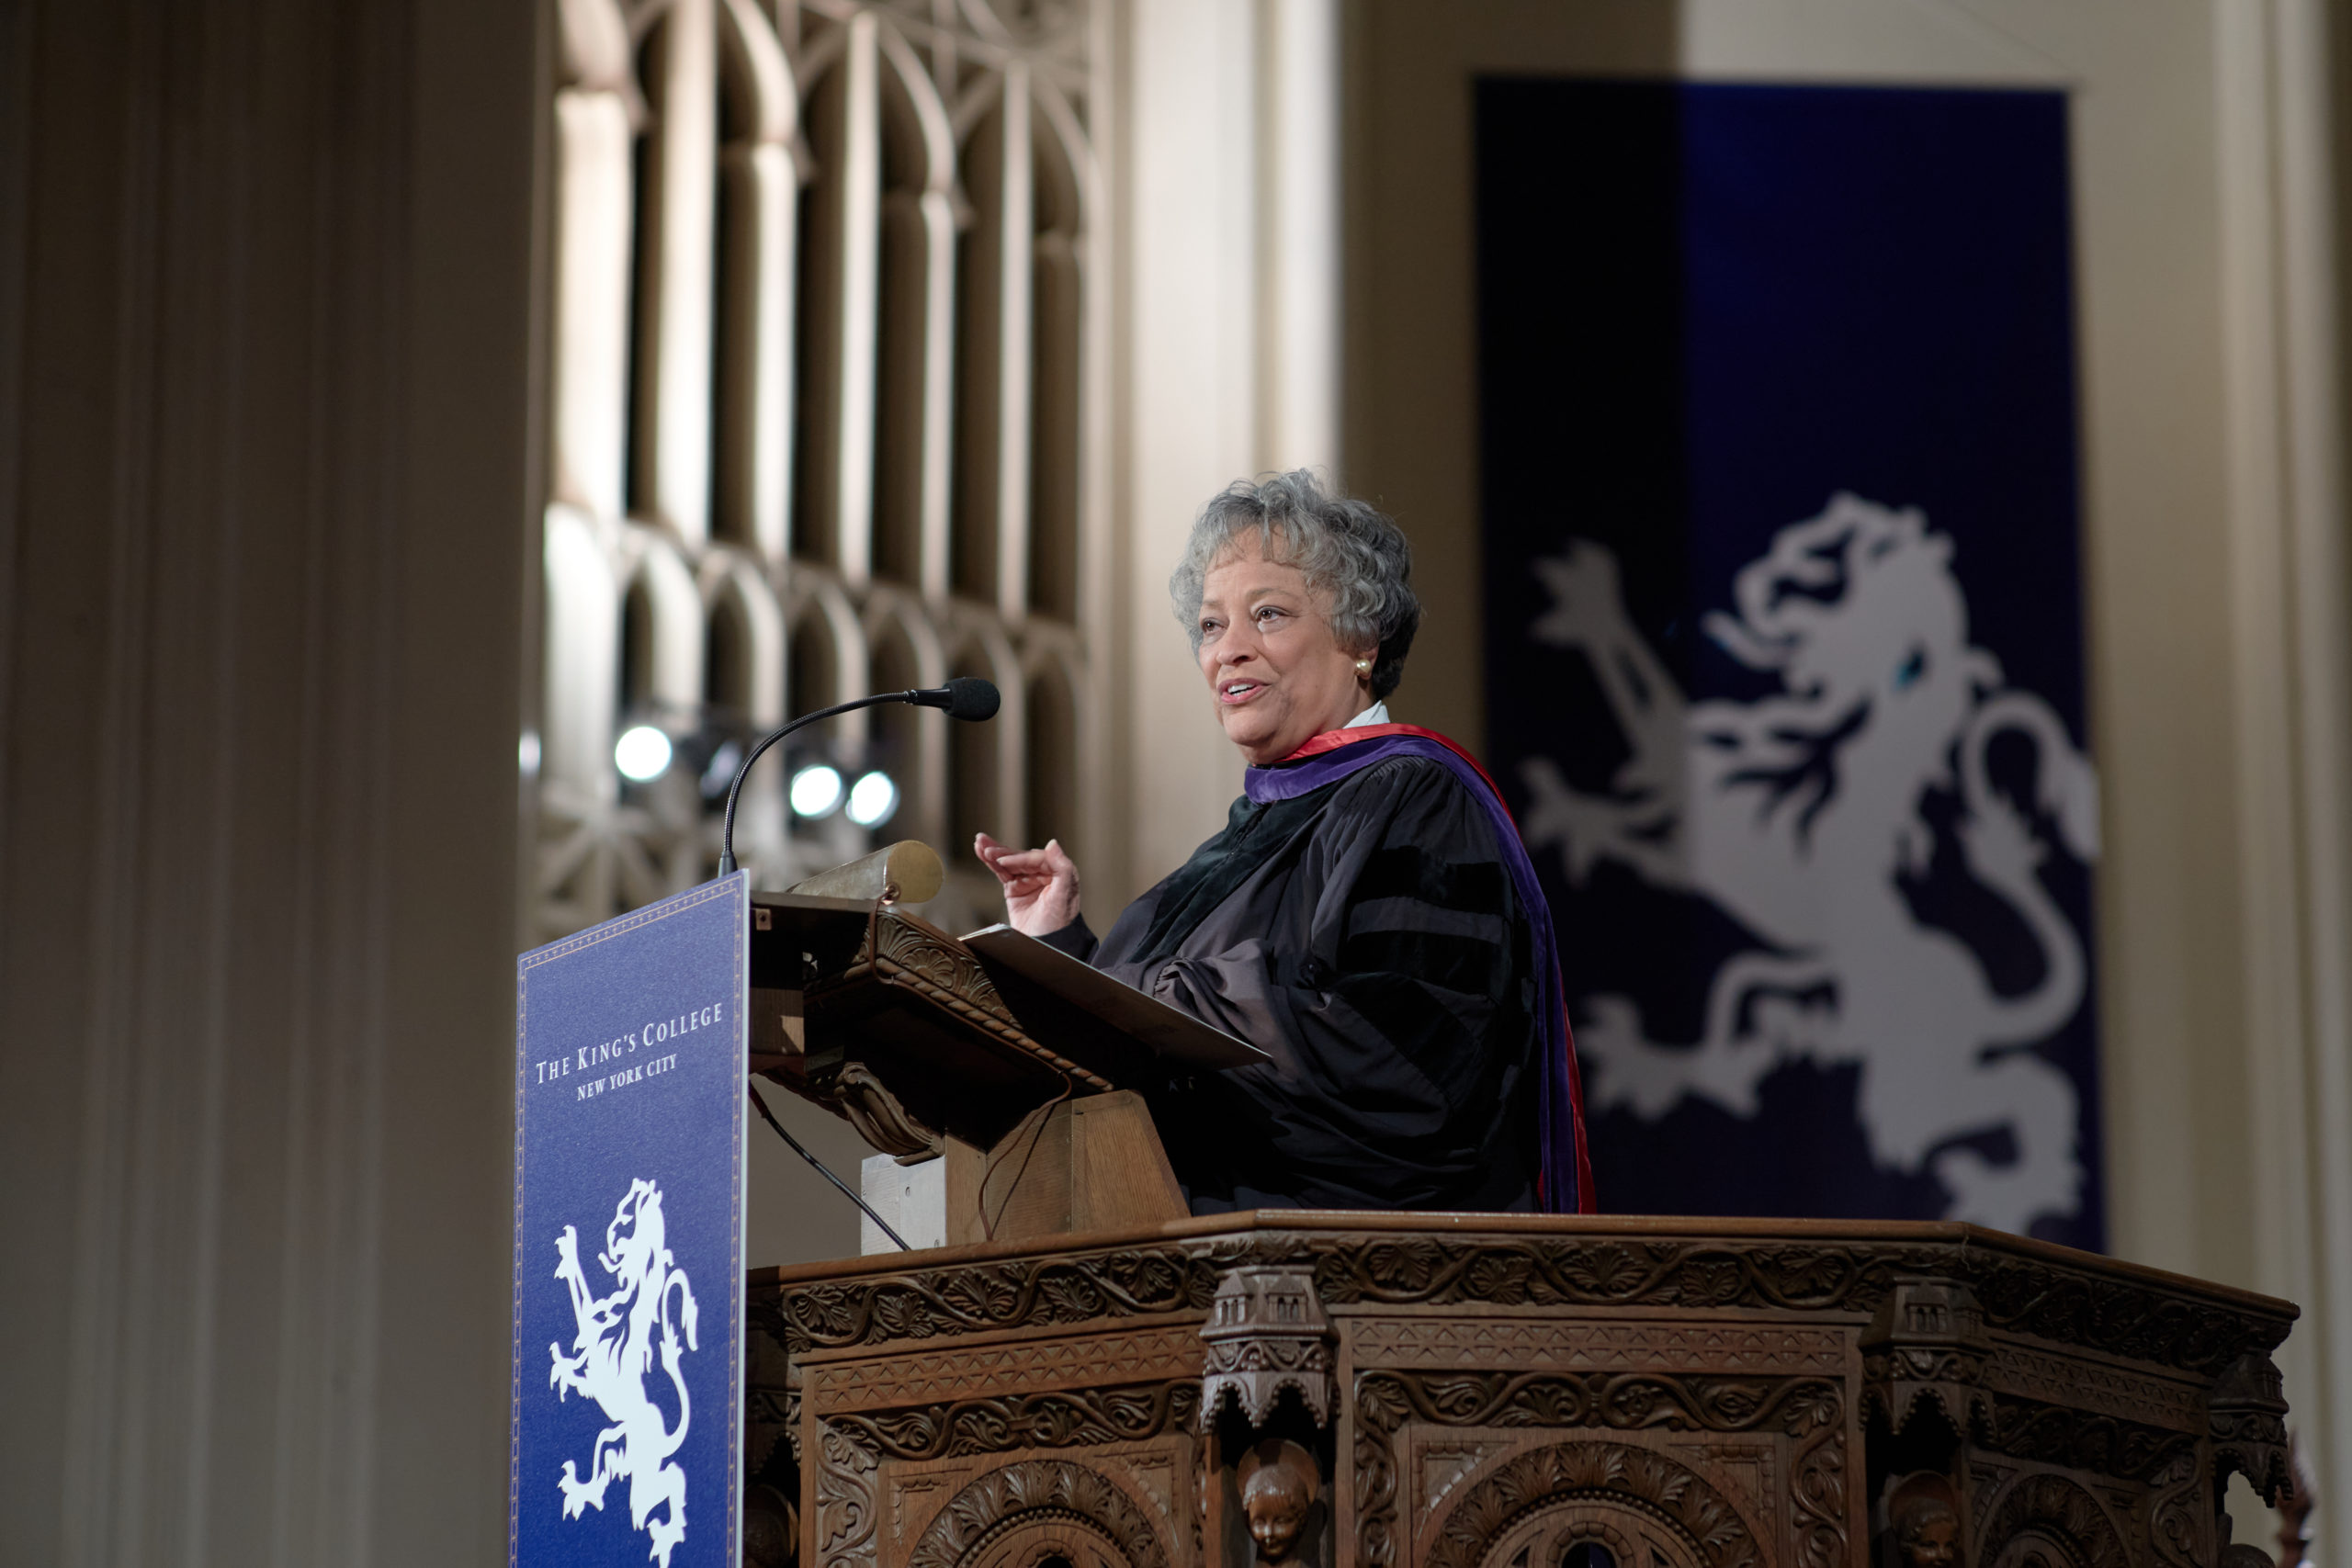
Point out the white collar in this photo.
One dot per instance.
(1376, 713)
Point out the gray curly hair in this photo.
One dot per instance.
(1347, 549)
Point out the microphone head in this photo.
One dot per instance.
(970, 697)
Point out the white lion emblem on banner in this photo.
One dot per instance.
(612, 1355)
(1799, 813)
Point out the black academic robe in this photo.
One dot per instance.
(1367, 937)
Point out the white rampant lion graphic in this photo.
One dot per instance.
(1798, 814)
(612, 1357)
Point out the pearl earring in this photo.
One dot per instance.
(1363, 666)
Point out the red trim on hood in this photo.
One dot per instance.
(1333, 739)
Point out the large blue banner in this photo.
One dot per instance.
(630, 1060)
(1784, 636)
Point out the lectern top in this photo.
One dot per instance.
(1043, 981)
(969, 1037)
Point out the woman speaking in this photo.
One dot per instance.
(1368, 916)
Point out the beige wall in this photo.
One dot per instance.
(1228, 323)
(1192, 412)
(2202, 207)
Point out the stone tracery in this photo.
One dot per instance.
(826, 327)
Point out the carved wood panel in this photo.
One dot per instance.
(1650, 1510)
(1029, 1511)
(1681, 1401)
(1588, 1343)
(1458, 1431)
(949, 1483)
(927, 1375)
(1008, 1448)
(2051, 1521)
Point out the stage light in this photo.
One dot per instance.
(643, 753)
(873, 799)
(816, 791)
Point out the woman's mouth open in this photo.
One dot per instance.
(1230, 693)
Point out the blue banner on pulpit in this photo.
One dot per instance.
(1784, 636)
(630, 1061)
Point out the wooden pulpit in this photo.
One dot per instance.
(1518, 1392)
(1087, 1377)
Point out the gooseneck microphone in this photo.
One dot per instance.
(965, 698)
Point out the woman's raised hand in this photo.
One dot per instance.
(1040, 885)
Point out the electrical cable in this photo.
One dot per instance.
(1036, 1119)
(898, 1240)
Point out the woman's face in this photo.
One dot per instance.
(1277, 673)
